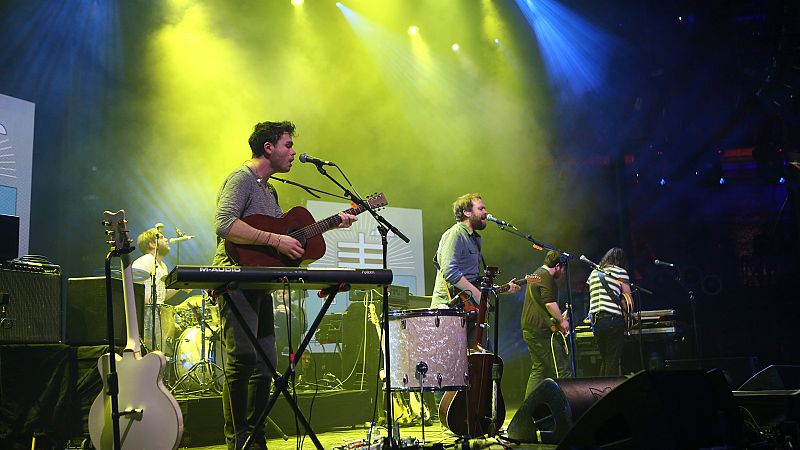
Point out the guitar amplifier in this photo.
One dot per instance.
(30, 304)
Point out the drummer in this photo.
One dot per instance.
(154, 247)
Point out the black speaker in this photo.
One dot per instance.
(31, 304)
(774, 378)
(553, 407)
(86, 322)
(669, 409)
(735, 369)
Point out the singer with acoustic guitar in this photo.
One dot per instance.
(247, 192)
(544, 327)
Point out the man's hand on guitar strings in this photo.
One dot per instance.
(289, 246)
(347, 220)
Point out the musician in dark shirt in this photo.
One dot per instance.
(246, 191)
(544, 328)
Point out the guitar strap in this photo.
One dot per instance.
(611, 294)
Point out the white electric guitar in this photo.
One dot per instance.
(149, 416)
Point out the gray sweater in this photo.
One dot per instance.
(241, 195)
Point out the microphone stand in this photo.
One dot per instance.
(565, 257)
(384, 226)
(692, 311)
(637, 304)
(153, 299)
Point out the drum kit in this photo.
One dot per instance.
(190, 339)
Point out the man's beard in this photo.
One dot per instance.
(478, 224)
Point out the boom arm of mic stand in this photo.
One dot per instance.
(308, 189)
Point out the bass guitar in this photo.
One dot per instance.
(148, 414)
(297, 223)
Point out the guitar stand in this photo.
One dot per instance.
(236, 301)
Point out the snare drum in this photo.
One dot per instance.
(429, 339)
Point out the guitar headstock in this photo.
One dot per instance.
(117, 231)
(377, 200)
(533, 278)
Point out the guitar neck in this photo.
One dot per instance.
(131, 322)
(329, 223)
(505, 287)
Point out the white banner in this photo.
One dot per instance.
(16, 163)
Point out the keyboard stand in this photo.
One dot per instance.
(237, 302)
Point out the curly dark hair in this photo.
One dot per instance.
(270, 132)
(614, 257)
(462, 205)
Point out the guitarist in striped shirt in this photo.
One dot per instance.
(609, 287)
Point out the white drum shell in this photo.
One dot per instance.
(437, 337)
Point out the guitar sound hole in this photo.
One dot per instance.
(299, 236)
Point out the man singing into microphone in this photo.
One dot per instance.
(605, 288)
(246, 191)
(543, 326)
(458, 259)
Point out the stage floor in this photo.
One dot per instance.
(434, 434)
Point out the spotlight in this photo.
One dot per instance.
(338, 4)
(721, 181)
(455, 47)
(497, 41)
(413, 30)
(663, 182)
(297, 2)
(781, 180)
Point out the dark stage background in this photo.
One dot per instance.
(667, 128)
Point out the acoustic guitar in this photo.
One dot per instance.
(626, 306)
(149, 416)
(297, 223)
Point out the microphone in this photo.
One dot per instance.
(589, 262)
(502, 223)
(306, 158)
(658, 262)
(180, 239)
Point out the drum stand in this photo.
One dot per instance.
(422, 369)
(209, 373)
